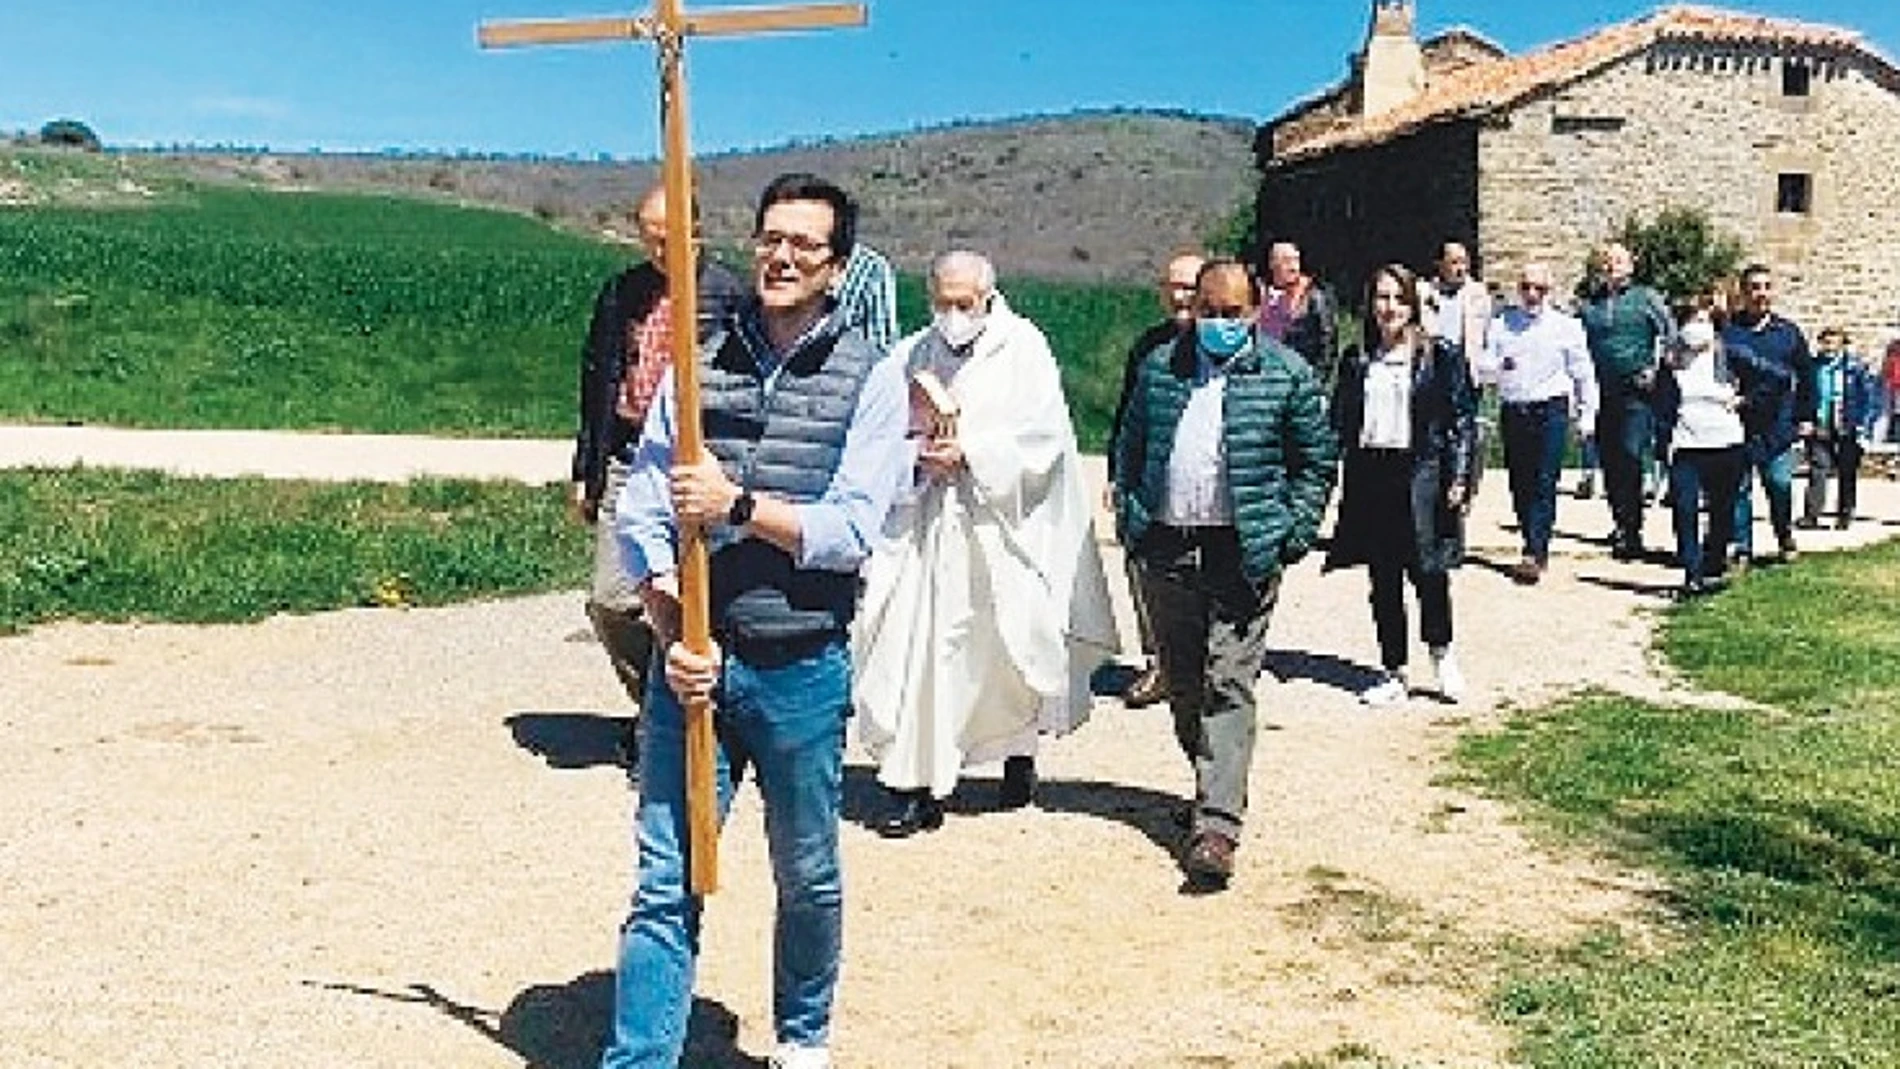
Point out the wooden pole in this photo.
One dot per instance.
(682, 284)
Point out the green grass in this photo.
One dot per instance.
(241, 308)
(95, 545)
(237, 307)
(1777, 829)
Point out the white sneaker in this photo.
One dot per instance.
(1389, 690)
(793, 1056)
(1451, 682)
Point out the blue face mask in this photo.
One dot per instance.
(1223, 337)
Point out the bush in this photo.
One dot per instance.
(1680, 252)
(70, 133)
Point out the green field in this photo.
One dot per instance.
(100, 545)
(1776, 828)
(217, 306)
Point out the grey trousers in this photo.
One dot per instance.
(1210, 628)
(612, 606)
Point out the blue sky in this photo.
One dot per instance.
(354, 74)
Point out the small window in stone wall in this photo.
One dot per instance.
(1580, 124)
(1797, 78)
(1794, 193)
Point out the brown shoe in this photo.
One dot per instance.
(1527, 571)
(1210, 859)
(1147, 688)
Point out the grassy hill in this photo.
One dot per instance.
(1089, 196)
(132, 295)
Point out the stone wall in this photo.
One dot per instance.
(1396, 202)
(1706, 125)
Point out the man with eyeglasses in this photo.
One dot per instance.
(1627, 326)
(1177, 301)
(628, 351)
(1773, 420)
(1538, 359)
(804, 424)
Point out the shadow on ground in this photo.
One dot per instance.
(1152, 813)
(565, 1026)
(1325, 669)
(570, 740)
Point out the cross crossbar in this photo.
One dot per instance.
(517, 33)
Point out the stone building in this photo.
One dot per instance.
(1786, 133)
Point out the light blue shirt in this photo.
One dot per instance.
(836, 531)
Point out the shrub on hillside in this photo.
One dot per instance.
(69, 133)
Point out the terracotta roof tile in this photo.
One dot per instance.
(1484, 87)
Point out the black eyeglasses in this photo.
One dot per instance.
(805, 248)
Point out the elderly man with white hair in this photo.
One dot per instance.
(986, 607)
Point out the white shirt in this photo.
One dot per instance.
(1707, 418)
(1535, 356)
(1388, 416)
(1197, 467)
(1449, 321)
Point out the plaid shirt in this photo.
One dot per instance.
(867, 291)
(650, 340)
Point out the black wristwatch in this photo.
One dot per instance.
(741, 512)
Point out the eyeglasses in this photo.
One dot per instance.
(805, 248)
(1533, 287)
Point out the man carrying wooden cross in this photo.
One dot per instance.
(804, 426)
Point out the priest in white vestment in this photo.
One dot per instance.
(986, 608)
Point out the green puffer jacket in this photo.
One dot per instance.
(1281, 454)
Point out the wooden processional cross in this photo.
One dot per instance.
(668, 27)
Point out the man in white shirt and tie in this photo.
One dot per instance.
(1539, 359)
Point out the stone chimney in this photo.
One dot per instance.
(1392, 69)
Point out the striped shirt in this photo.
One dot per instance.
(867, 291)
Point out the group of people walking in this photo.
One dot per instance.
(900, 528)
(1717, 388)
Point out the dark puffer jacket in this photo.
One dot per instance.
(1280, 452)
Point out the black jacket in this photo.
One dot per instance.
(1444, 452)
(626, 299)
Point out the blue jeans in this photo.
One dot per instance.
(1699, 475)
(1777, 480)
(787, 722)
(1534, 436)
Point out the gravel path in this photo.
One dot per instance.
(395, 838)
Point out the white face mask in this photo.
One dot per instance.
(959, 327)
(1698, 334)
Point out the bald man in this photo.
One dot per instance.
(1539, 361)
(1177, 301)
(628, 352)
(985, 608)
(1226, 463)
